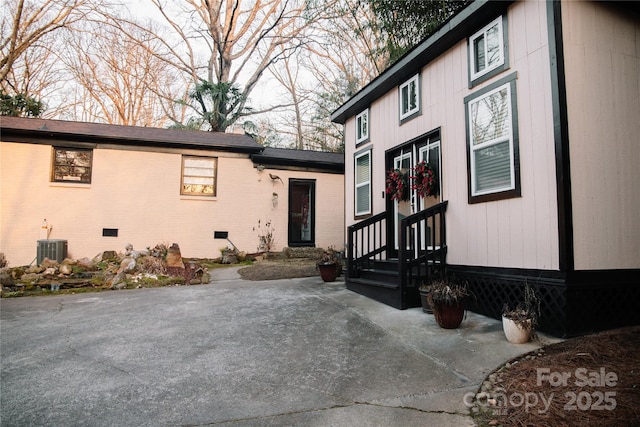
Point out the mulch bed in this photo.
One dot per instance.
(587, 381)
(280, 269)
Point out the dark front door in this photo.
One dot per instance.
(302, 212)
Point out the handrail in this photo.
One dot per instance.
(422, 244)
(366, 241)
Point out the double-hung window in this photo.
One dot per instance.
(362, 127)
(410, 98)
(492, 142)
(363, 183)
(199, 176)
(72, 165)
(487, 51)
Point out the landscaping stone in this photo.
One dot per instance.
(174, 258)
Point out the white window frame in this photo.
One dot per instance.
(192, 183)
(358, 185)
(362, 127)
(472, 52)
(415, 81)
(508, 137)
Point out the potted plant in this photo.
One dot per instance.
(446, 297)
(519, 323)
(424, 299)
(329, 265)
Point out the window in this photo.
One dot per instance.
(409, 98)
(363, 183)
(492, 142)
(487, 50)
(362, 127)
(199, 176)
(72, 165)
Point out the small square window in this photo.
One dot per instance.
(199, 176)
(409, 98)
(487, 49)
(72, 165)
(362, 127)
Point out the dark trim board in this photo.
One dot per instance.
(572, 303)
(561, 136)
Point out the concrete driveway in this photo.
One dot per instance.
(239, 353)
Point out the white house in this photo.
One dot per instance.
(529, 113)
(100, 187)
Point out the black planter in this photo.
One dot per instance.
(424, 300)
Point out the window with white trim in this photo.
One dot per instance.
(363, 183)
(72, 165)
(410, 97)
(487, 49)
(199, 176)
(362, 126)
(492, 142)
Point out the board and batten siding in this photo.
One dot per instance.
(515, 233)
(602, 65)
(138, 193)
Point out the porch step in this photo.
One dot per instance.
(374, 283)
(378, 275)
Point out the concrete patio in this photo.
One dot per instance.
(240, 353)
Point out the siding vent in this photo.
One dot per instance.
(109, 232)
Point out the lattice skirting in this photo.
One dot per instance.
(571, 303)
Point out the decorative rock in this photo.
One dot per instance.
(30, 277)
(49, 263)
(174, 258)
(127, 264)
(36, 269)
(118, 280)
(69, 261)
(135, 254)
(5, 278)
(66, 269)
(105, 256)
(49, 272)
(86, 263)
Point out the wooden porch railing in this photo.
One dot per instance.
(366, 242)
(422, 244)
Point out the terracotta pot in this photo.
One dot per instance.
(515, 332)
(328, 272)
(449, 316)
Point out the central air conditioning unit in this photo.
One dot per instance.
(55, 249)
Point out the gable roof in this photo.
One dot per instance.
(20, 129)
(300, 158)
(458, 27)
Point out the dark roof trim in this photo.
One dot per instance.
(317, 160)
(458, 27)
(20, 129)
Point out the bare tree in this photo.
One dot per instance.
(121, 81)
(231, 42)
(29, 25)
(341, 55)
